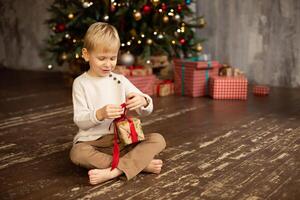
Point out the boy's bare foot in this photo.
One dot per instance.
(154, 166)
(97, 176)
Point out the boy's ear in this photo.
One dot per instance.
(85, 54)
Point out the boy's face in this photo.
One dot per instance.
(101, 64)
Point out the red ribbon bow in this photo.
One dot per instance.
(133, 135)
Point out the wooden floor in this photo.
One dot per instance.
(215, 149)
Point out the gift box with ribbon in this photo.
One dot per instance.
(122, 69)
(139, 71)
(225, 87)
(144, 83)
(127, 130)
(164, 88)
(191, 76)
(261, 90)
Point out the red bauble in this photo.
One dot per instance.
(179, 8)
(60, 27)
(147, 9)
(164, 7)
(182, 41)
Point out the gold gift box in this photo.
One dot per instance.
(124, 132)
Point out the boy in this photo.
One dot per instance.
(97, 98)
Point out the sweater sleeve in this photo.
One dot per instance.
(84, 117)
(129, 88)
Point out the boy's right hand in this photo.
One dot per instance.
(109, 112)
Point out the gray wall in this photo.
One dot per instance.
(261, 37)
(22, 31)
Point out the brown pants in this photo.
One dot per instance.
(133, 158)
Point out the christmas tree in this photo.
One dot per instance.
(145, 27)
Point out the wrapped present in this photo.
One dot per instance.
(127, 130)
(139, 71)
(144, 83)
(164, 88)
(227, 70)
(223, 87)
(122, 69)
(261, 90)
(191, 76)
(124, 128)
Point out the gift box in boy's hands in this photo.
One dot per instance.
(191, 77)
(223, 87)
(261, 90)
(164, 88)
(143, 83)
(125, 130)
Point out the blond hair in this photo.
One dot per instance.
(102, 36)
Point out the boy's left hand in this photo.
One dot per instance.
(135, 100)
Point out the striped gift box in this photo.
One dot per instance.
(191, 77)
(143, 83)
(228, 87)
(261, 90)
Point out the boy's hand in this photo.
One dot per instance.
(109, 111)
(135, 100)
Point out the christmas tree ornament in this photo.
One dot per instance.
(67, 36)
(202, 22)
(87, 4)
(71, 16)
(179, 8)
(182, 41)
(164, 7)
(149, 41)
(106, 18)
(64, 56)
(137, 15)
(165, 19)
(60, 27)
(127, 59)
(188, 2)
(199, 47)
(147, 9)
(155, 2)
(160, 36)
(177, 17)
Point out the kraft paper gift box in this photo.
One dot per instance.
(140, 71)
(125, 132)
(164, 88)
(222, 87)
(143, 83)
(191, 77)
(261, 90)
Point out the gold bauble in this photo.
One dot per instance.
(64, 56)
(149, 41)
(202, 22)
(165, 19)
(137, 16)
(199, 47)
(155, 2)
(71, 16)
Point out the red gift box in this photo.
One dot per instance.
(191, 77)
(143, 83)
(164, 88)
(228, 87)
(139, 71)
(261, 90)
